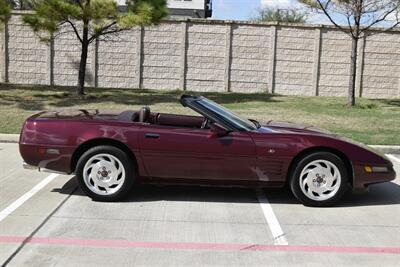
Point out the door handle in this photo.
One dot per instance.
(152, 135)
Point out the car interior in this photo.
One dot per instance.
(144, 115)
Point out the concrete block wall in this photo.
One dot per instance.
(161, 56)
(199, 55)
(205, 65)
(27, 56)
(334, 63)
(381, 66)
(294, 61)
(250, 57)
(116, 60)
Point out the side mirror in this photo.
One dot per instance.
(218, 130)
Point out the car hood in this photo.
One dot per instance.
(290, 127)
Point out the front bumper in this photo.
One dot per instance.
(364, 179)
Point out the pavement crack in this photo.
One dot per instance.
(156, 220)
(279, 236)
(249, 247)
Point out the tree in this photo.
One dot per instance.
(90, 19)
(5, 11)
(281, 15)
(360, 16)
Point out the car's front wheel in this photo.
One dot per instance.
(105, 173)
(319, 179)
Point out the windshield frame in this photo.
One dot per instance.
(218, 113)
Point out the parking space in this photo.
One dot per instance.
(191, 226)
(370, 219)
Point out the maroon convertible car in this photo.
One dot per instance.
(109, 152)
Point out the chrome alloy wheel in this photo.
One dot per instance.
(320, 180)
(104, 174)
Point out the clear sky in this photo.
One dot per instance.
(235, 9)
(245, 9)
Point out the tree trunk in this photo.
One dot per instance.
(84, 55)
(351, 97)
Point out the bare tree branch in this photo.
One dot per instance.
(75, 30)
(357, 13)
(324, 9)
(369, 33)
(350, 28)
(381, 19)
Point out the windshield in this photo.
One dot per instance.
(229, 116)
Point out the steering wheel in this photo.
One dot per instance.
(205, 123)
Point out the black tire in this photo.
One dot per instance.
(127, 164)
(295, 179)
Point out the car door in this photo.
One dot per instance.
(185, 153)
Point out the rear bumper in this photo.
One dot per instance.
(41, 157)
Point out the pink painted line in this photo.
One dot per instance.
(195, 246)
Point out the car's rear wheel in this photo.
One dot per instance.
(319, 179)
(105, 173)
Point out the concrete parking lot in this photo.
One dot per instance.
(45, 220)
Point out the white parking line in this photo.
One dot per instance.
(273, 223)
(17, 203)
(393, 158)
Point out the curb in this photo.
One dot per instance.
(9, 138)
(386, 149)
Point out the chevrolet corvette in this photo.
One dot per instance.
(109, 152)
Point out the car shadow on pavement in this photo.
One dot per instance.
(150, 193)
(379, 194)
